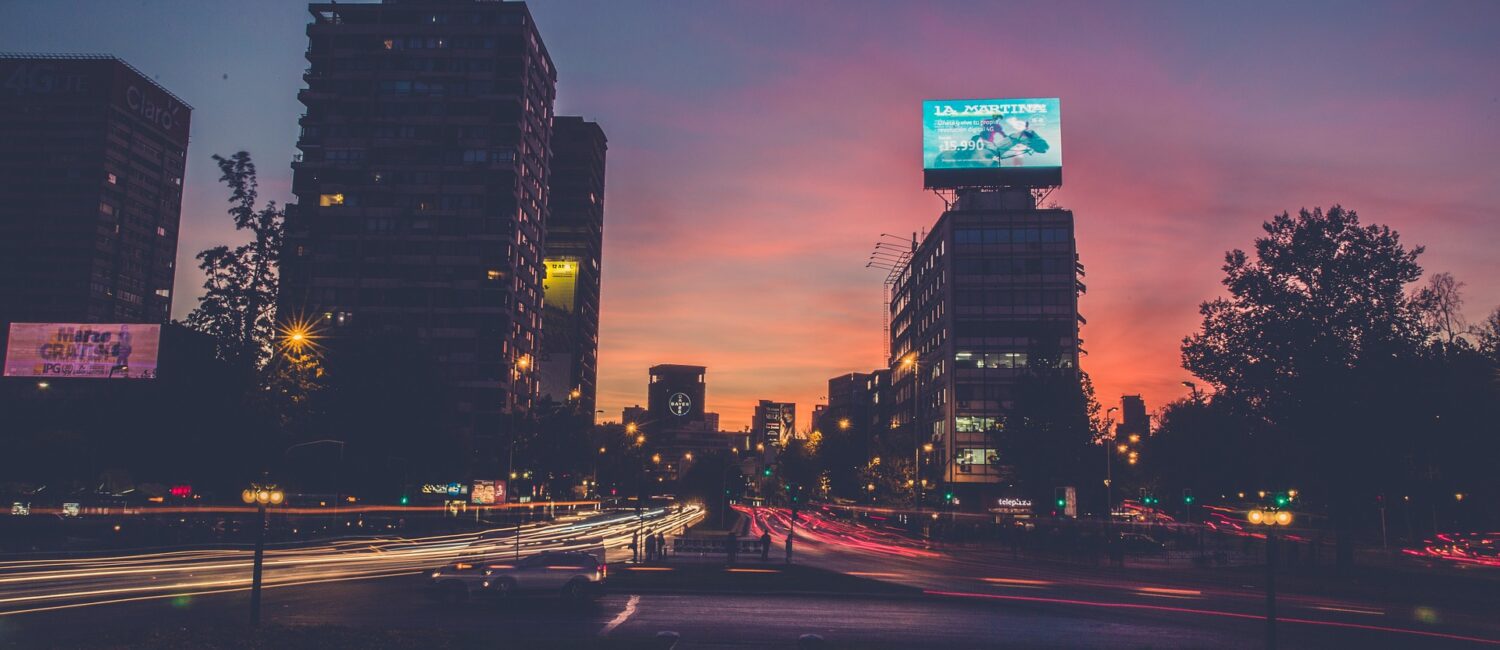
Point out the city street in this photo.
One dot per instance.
(713, 620)
(927, 597)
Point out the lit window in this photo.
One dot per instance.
(165, 293)
(111, 178)
(494, 274)
(161, 232)
(325, 200)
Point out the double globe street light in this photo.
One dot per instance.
(260, 495)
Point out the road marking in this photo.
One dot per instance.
(623, 616)
(1017, 582)
(874, 574)
(1210, 612)
(738, 570)
(1169, 593)
(1350, 610)
(648, 568)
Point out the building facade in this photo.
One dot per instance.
(991, 291)
(674, 398)
(574, 253)
(422, 195)
(92, 156)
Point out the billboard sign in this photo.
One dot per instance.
(991, 142)
(97, 351)
(445, 489)
(487, 493)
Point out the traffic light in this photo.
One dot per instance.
(1060, 497)
(1187, 496)
(405, 499)
(1282, 499)
(948, 496)
(766, 472)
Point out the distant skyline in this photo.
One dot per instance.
(758, 149)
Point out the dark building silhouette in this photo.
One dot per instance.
(1133, 418)
(991, 291)
(675, 397)
(774, 423)
(422, 196)
(849, 398)
(91, 163)
(575, 240)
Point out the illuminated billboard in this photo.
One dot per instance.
(561, 284)
(991, 142)
(487, 492)
(99, 351)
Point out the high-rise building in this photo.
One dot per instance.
(774, 423)
(1133, 418)
(575, 240)
(92, 154)
(422, 195)
(989, 292)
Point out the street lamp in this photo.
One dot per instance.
(1270, 518)
(261, 495)
(912, 361)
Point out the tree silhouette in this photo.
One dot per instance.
(238, 307)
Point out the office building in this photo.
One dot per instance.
(774, 423)
(991, 291)
(1133, 417)
(575, 239)
(422, 196)
(675, 397)
(92, 153)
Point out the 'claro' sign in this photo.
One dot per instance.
(152, 105)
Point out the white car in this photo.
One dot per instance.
(574, 575)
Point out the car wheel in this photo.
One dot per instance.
(575, 591)
(505, 588)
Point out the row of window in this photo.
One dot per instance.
(1012, 297)
(989, 360)
(418, 202)
(1012, 265)
(1010, 235)
(439, 43)
(436, 88)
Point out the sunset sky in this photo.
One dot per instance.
(758, 149)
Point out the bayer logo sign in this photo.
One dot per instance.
(679, 404)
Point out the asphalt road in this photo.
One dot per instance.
(706, 620)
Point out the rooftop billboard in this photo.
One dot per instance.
(97, 351)
(991, 142)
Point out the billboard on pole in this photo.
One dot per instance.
(991, 142)
(88, 350)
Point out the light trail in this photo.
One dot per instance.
(49, 584)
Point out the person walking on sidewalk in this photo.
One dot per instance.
(661, 546)
(765, 546)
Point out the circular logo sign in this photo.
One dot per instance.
(679, 404)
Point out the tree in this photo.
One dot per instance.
(238, 307)
(1441, 304)
(1316, 342)
(1048, 436)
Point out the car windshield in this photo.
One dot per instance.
(741, 324)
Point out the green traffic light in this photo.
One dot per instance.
(1062, 503)
(405, 499)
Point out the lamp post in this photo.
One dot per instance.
(262, 495)
(911, 360)
(1270, 519)
(1109, 466)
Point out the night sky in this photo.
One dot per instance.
(757, 150)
